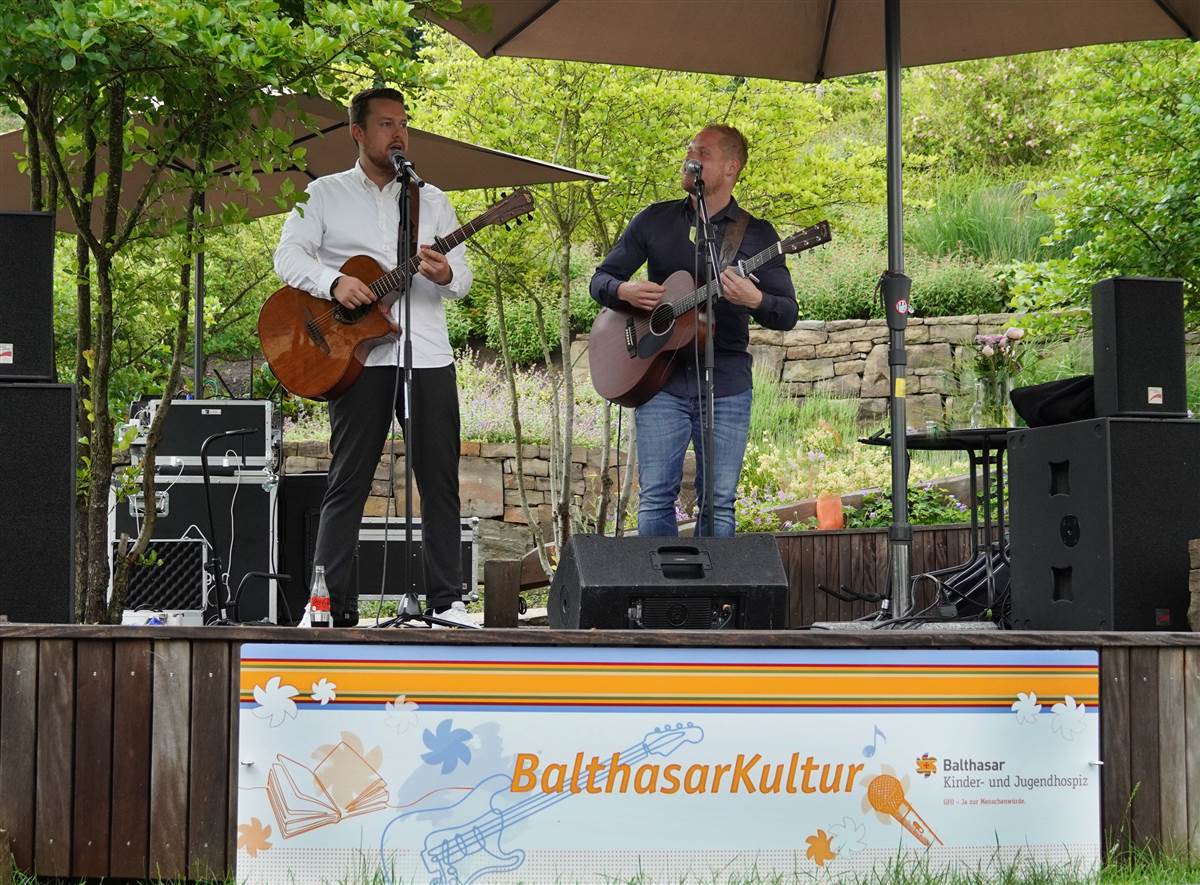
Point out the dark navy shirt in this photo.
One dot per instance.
(660, 237)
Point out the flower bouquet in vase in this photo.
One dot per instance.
(997, 362)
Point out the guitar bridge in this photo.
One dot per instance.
(314, 331)
(630, 337)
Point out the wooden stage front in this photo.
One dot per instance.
(117, 744)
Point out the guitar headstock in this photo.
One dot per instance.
(805, 239)
(516, 205)
(666, 740)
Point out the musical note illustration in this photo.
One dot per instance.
(886, 795)
(869, 749)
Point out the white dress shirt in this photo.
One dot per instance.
(347, 214)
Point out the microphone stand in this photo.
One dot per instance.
(215, 612)
(410, 607)
(705, 241)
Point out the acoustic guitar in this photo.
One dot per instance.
(316, 347)
(630, 351)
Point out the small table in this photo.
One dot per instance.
(988, 566)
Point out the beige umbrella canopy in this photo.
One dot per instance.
(445, 162)
(809, 40)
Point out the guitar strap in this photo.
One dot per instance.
(733, 236)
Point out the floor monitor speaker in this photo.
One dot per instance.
(37, 503)
(26, 296)
(1101, 515)
(670, 584)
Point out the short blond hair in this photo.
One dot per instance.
(732, 142)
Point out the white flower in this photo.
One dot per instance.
(1068, 718)
(401, 714)
(324, 691)
(1014, 334)
(988, 350)
(275, 702)
(1026, 707)
(849, 837)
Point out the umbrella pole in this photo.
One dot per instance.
(198, 331)
(895, 287)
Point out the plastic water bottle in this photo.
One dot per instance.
(318, 600)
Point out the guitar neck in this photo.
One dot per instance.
(698, 296)
(392, 280)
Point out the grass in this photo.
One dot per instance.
(990, 222)
(1141, 868)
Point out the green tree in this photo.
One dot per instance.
(1130, 195)
(141, 85)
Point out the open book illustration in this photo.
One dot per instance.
(342, 785)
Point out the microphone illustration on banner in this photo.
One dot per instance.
(404, 166)
(886, 795)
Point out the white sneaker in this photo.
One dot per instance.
(456, 614)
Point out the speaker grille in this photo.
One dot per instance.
(26, 296)
(174, 581)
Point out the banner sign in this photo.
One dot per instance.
(460, 764)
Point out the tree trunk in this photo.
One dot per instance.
(568, 437)
(83, 381)
(95, 607)
(606, 482)
(627, 485)
(120, 583)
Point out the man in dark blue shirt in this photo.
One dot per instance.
(661, 238)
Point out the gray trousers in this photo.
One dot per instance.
(359, 420)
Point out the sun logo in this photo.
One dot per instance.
(926, 765)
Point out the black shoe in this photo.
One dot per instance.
(349, 619)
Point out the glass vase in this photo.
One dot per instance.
(993, 405)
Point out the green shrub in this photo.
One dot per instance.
(953, 288)
(839, 284)
(989, 222)
(927, 505)
(458, 323)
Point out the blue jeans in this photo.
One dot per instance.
(665, 426)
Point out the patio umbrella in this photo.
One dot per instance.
(811, 40)
(446, 162)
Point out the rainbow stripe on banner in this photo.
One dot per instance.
(458, 677)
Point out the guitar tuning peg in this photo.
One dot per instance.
(506, 227)
(529, 217)
(518, 221)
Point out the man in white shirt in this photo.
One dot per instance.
(357, 213)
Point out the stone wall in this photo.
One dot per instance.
(487, 486)
(848, 358)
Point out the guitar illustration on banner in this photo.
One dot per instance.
(471, 848)
(630, 351)
(316, 347)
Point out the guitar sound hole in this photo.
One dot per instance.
(349, 315)
(662, 318)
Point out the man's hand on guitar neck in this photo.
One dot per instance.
(352, 292)
(739, 290)
(434, 266)
(641, 294)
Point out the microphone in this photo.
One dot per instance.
(886, 795)
(692, 167)
(403, 166)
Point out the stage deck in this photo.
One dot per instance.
(118, 744)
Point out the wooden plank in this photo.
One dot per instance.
(233, 692)
(1172, 751)
(1191, 693)
(845, 610)
(170, 708)
(858, 572)
(820, 570)
(55, 752)
(93, 758)
(132, 696)
(18, 747)
(1146, 811)
(501, 592)
(804, 552)
(1116, 785)
(208, 807)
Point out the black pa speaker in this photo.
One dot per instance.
(1101, 515)
(37, 503)
(1137, 347)
(26, 296)
(670, 584)
(300, 496)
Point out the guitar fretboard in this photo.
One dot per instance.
(699, 296)
(395, 278)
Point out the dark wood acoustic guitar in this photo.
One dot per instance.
(316, 347)
(630, 351)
